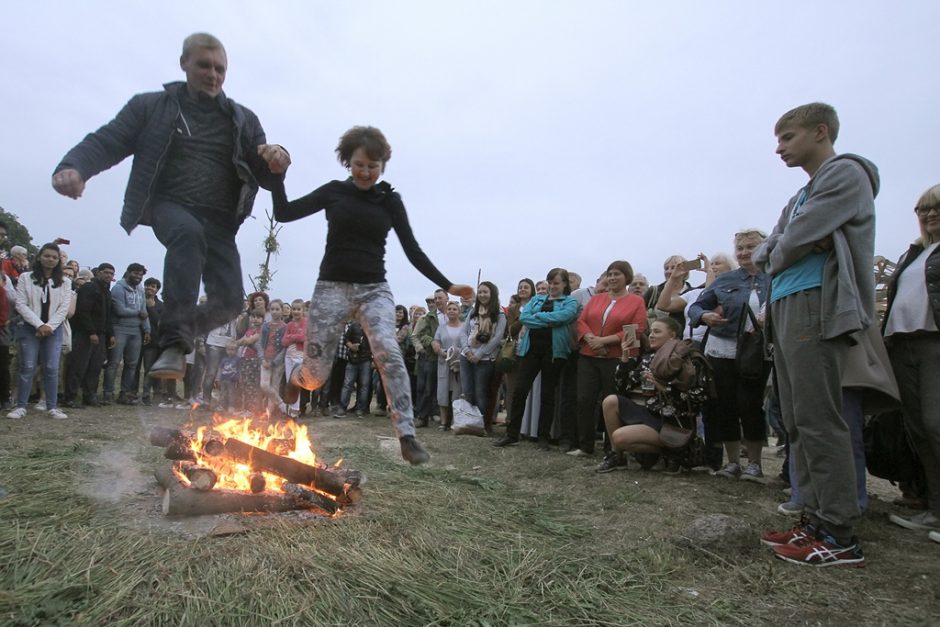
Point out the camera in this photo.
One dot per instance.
(483, 338)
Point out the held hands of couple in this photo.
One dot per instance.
(277, 158)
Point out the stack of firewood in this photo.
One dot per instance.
(320, 488)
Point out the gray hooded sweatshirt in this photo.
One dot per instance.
(126, 304)
(840, 203)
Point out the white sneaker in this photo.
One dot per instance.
(57, 413)
(924, 521)
(578, 453)
(41, 405)
(16, 414)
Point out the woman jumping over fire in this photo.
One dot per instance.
(360, 212)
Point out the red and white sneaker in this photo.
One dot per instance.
(823, 551)
(804, 531)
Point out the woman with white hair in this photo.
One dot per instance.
(731, 307)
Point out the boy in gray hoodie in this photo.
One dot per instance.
(820, 258)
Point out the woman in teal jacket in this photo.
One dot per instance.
(543, 349)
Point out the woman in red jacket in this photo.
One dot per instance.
(600, 331)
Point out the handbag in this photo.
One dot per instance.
(674, 436)
(750, 355)
(507, 358)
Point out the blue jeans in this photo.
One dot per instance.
(426, 388)
(30, 351)
(475, 381)
(127, 345)
(359, 375)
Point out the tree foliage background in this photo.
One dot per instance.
(17, 233)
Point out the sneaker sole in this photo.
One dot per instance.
(752, 479)
(913, 526)
(607, 470)
(853, 563)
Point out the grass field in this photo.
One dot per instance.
(481, 536)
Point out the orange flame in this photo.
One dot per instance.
(287, 439)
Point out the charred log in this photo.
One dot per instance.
(316, 499)
(200, 477)
(181, 500)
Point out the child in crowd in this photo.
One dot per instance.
(249, 368)
(293, 341)
(272, 354)
(228, 379)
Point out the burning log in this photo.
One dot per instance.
(200, 477)
(181, 500)
(179, 444)
(313, 498)
(164, 436)
(257, 482)
(324, 479)
(281, 446)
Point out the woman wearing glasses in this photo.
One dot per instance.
(912, 332)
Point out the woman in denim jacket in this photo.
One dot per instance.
(739, 406)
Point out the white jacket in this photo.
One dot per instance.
(29, 301)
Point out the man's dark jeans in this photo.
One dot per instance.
(84, 367)
(197, 248)
(427, 387)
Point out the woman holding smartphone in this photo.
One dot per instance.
(600, 332)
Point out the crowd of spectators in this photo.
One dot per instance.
(575, 377)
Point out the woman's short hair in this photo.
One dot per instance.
(624, 267)
(564, 277)
(930, 198)
(369, 139)
(749, 233)
(527, 281)
(254, 295)
(671, 324)
(725, 258)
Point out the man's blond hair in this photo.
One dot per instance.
(810, 116)
(200, 40)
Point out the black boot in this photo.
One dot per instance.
(171, 364)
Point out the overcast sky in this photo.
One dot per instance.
(525, 135)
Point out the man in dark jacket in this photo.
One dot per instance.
(92, 337)
(199, 159)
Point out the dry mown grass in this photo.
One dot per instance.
(480, 537)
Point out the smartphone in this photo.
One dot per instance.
(691, 264)
(629, 334)
(61, 241)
